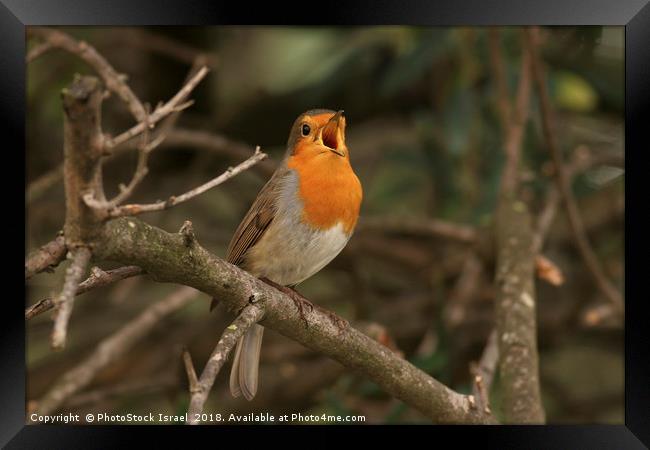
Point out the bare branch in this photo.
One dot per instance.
(249, 316)
(168, 259)
(38, 50)
(49, 255)
(98, 278)
(82, 139)
(516, 326)
(484, 371)
(135, 209)
(65, 300)
(548, 125)
(515, 312)
(174, 137)
(111, 348)
(175, 104)
(114, 81)
(191, 372)
(141, 170)
(44, 182)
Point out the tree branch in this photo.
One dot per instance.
(166, 258)
(49, 255)
(516, 327)
(134, 209)
(111, 349)
(37, 51)
(515, 304)
(484, 371)
(82, 152)
(98, 278)
(114, 81)
(548, 122)
(250, 315)
(175, 104)
(174, 137)
(65, 300)
(82, 168)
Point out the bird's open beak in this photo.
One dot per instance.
(332, 134)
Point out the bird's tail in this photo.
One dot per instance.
(245, 364)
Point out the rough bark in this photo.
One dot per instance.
(47, 256)
(515, 314)
(82, 151)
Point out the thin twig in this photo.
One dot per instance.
(98, 278)
(484, 371)
(141, 170)
(175, 104)
(147, 145)
(38, 50)
(44, 182)
(175, 137)
(135, 209)
(575, 220)
(65, 300)
(190, 371)
(111, 349)
(113, 80)
(170, 108)
(250, 315)
(46, 257)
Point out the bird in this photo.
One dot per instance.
(300, 220)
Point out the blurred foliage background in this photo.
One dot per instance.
(425, 141)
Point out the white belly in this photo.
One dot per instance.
(289, 253)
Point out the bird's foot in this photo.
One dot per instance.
(301, 302)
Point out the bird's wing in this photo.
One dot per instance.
(257, 219)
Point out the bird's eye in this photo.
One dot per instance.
(306, 129)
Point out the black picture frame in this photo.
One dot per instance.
(633, 14)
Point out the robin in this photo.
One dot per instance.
(301, 219)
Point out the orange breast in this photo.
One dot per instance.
(329, 189)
